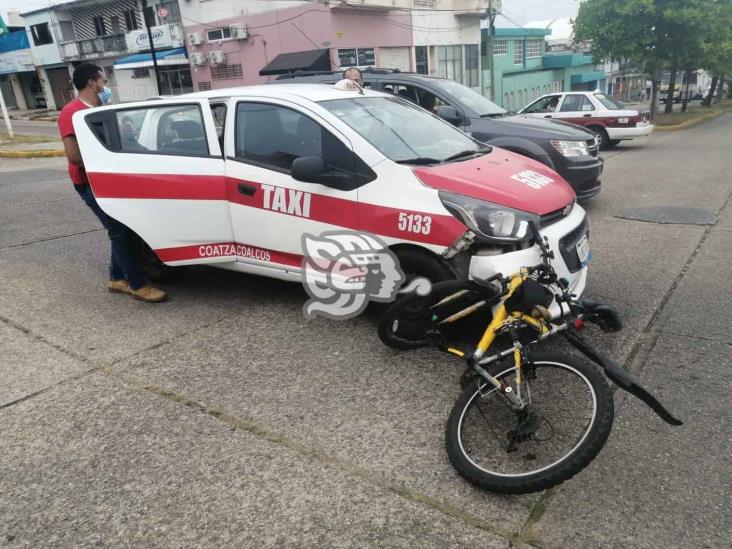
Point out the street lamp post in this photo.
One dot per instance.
(152, 46)
(491, 13)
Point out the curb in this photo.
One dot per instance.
(48, 153)
(692, 122)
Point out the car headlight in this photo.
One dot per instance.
(489, 220)
(570, 148)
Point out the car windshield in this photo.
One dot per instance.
(609, 102)
(468, 97)
(403, 132)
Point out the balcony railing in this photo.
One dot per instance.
(94, 47)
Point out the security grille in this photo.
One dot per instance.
(500, 47)
(533, 48)
(226, 72)
(204, 85)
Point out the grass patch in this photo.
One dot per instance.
(5, 139)
(694, 111)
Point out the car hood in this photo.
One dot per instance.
(527, 126)
(504, 178)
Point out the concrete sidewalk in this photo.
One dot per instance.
(222, 417)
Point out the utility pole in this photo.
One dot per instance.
(8, 125)
(491, 15)
(152, 46)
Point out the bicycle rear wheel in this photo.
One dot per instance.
(565, 427)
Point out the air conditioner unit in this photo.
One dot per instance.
(217, 57)
(239, 32)
(198, 58)
(195, 38)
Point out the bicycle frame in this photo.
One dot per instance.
(501, 320)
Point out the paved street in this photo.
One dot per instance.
(224, 418)
(32, 127)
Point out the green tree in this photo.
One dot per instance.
(716, 56)
(655, 34)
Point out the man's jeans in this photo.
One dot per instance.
(125, 264)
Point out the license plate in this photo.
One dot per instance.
(583, 251)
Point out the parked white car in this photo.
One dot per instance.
(608, 119)
(234, 178)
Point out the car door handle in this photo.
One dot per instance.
(547, 116)
(588, 115)
(248, 190)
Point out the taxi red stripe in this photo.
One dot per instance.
(349, 214)
(225, 249)
(157, 186)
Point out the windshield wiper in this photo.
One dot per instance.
(419, 160)
(493, 114)
(464, 154)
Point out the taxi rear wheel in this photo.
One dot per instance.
(154, 269)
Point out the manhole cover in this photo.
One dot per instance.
(671, 214)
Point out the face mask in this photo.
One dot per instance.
(105, 96)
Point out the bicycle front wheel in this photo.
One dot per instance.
(564, 427)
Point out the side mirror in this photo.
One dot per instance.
(449, 113)
(310, 169)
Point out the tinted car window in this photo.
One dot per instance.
(610, 103)
(468, 97)
(545, 104)
(576, 102)
(274, 136)
(400, 130)
(176, 130)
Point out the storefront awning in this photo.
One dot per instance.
(176, 56)
(285, 63)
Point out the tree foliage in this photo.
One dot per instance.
(660, 34)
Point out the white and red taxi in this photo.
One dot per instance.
(233, 178)
(608, 119)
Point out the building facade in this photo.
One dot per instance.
(524, 70)
(253, 42)
(18, 79)
(111, 34)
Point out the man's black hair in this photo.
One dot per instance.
(85, 72)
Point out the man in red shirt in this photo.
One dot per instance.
(125, 273)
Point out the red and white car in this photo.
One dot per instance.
(234, 178)
(609, 120)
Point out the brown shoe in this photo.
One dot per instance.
(119, 287)
(148, 293)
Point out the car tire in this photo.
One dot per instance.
(612, 143)
(416, 263)
(155, 270)
(602, 138)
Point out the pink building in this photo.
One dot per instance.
(232, 51)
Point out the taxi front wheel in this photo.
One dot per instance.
(416, 263)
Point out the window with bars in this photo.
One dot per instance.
(518, 52)
(226, 72)
(218, 34)
(450, 62)
(500, 47)
(420, 53)
(472, 75)
(430, 4)
(99, 27)
(204, 85)
(131, 20)
(533, 48)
